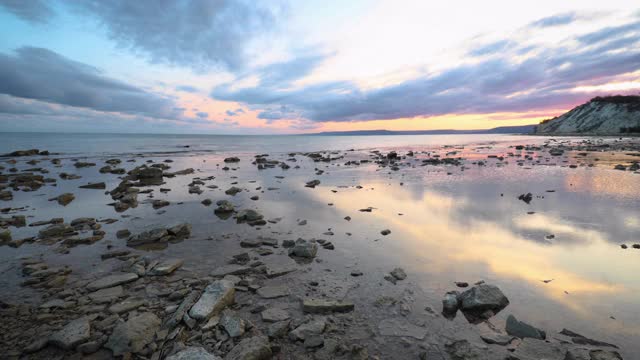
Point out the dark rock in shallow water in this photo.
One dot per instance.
(304, 249)
(450, 304)
(582, 340)
(312, 183)
(64, 199)
(526, 197)
(482, 302)
(232, 159)
(99, 185)
(523, 330)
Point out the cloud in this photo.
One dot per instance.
(610, 33)
(41, 74)
(35, 11)
(197, 34)
(555, 20)
(491, 48)
(187, 88)
(543, 79)
(202, 114)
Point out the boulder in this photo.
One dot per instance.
(56, 230)
(97, 186)
(272, 292)
(64, 199)
(106, 295)
(482, 300)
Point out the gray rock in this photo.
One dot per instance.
(314, 327)
(232, 324)
(278, 330)
(398, 273)
(182, 310)
(253, 348)
(134, 334)
(450, 303)
(533, 349)
(180, 231)
(604, 355)
(72, 334)
(193, 353)
(523, 330)
(482, 298)
(577, 354)
(216, 296)
(231, 269)
(56, 230)
(111, 281)
(106, 295)
(166, 267)
(313, 341)
(272, 292)
(304, 248)
(275, 315)
(148, 237)
(323, 306)
(126, 305)
(233, 191)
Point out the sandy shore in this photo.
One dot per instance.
(508, 250)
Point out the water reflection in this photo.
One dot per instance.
(447, 237)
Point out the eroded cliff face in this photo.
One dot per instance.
(613, 115)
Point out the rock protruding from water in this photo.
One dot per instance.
(482, 302)
(72, 334)
(523, 330)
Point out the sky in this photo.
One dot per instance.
(281, 67)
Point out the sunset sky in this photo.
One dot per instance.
(265, 67)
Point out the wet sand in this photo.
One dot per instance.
(558, 258)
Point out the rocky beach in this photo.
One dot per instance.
(517, 248)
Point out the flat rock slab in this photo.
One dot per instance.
(216, 296)
(533, 349)
(126, 305)
(323, 306)
(272, 292)
(106, 295)
(400, 327)
(275, 315)
(134, 334)
(166, 267)
(232, 269)
(111, 281)
(253, 348)
(193, 353)
(72, 334)
(314, 327)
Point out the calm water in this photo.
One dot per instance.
(106, 144)
(447, 224)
